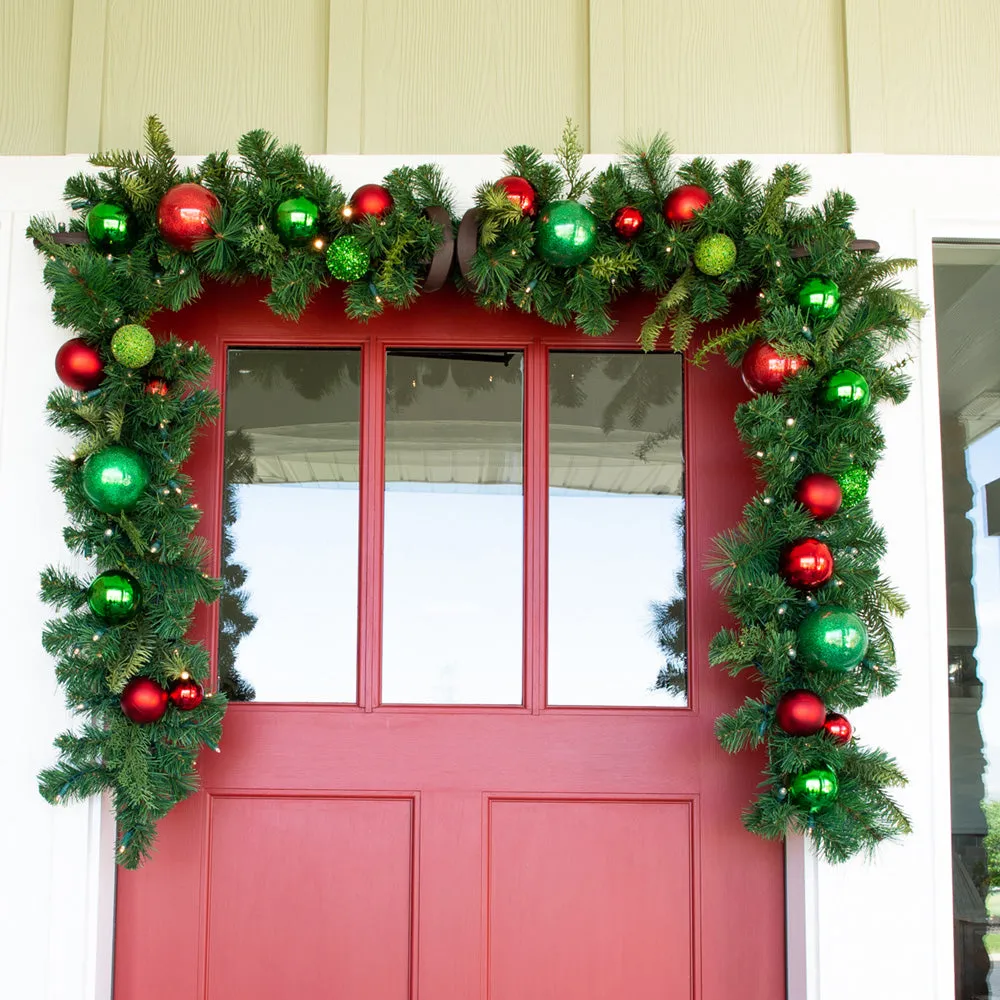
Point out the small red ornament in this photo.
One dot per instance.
(680, 206)
(184, 215)
(838, 728)
(370, 199)
(628, 222)
(520, 192)
(807, 563)
(186, 694)
(157, 387)
(143, 700)
(764, 369)
(79, 366)
(819, 494)
(800, 713)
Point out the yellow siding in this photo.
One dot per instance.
(462, 76)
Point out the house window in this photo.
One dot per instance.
(488, 526)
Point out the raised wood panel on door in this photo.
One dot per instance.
(737, 75)
(213, 71)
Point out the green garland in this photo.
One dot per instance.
(751, 235)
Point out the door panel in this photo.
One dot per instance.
(450, 852)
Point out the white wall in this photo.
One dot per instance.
(862, 930)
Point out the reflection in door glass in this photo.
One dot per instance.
(288, 612)
(967, 299)
(617, 615)
(453, 549)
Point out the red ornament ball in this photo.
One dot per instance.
(838, 728)
(157, 387)
(370, 199)
(186, 694)
(79, 366)
(143, 700)
(765, 370)
(185, 213)
(800, 713)
(807, 563)
(628, 222)
(681, 205)
(819, 494)
(520, 192)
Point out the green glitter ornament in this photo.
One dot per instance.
(815, 789)
(114, 596)
(853, 486)
(297, 221)
(133, 345)
(847, 390)
(820, 297)
(566, 233)
(715, 254)
(109, 228)
(114, 479)
(347, 258)
(832, 638)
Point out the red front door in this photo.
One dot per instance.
(573, 840)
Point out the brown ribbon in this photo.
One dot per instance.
(468, 240)
(869, 245)
(437, 273)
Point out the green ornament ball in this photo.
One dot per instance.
(853, 486)
(347, 258)
(114, 596)
(847, 389)
(109, 228)
(832, 638)
(297, 221)
(815, 789)
(566, 233)
(715, 254)
(820, 297)
(133, 345)
(114, 479)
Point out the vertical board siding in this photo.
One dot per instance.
(34, 70)
(215, 70)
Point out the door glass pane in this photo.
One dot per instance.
(617, 617)
(288, 615)
(967, 298)
(453, 545)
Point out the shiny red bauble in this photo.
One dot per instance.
(143, 700)
(806, 563)
(683, 203)
(765, 370)
(184, 215)
(819, 494)
(186, 694)
(838, 728)
(370, 199)
(79, 366)
(520, 192)
(157, 387)
(800, 713)
(628, 222)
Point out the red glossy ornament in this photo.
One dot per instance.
(79, 366)
(370, 199)
(838, 728)
(157, 387)
(681, 205)
(765, 370)
(520, 192)
(628, 222)
(819, 494)
(186, 694)
(800, 713)
(185, 213)
(143, 700)
(806, 563)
